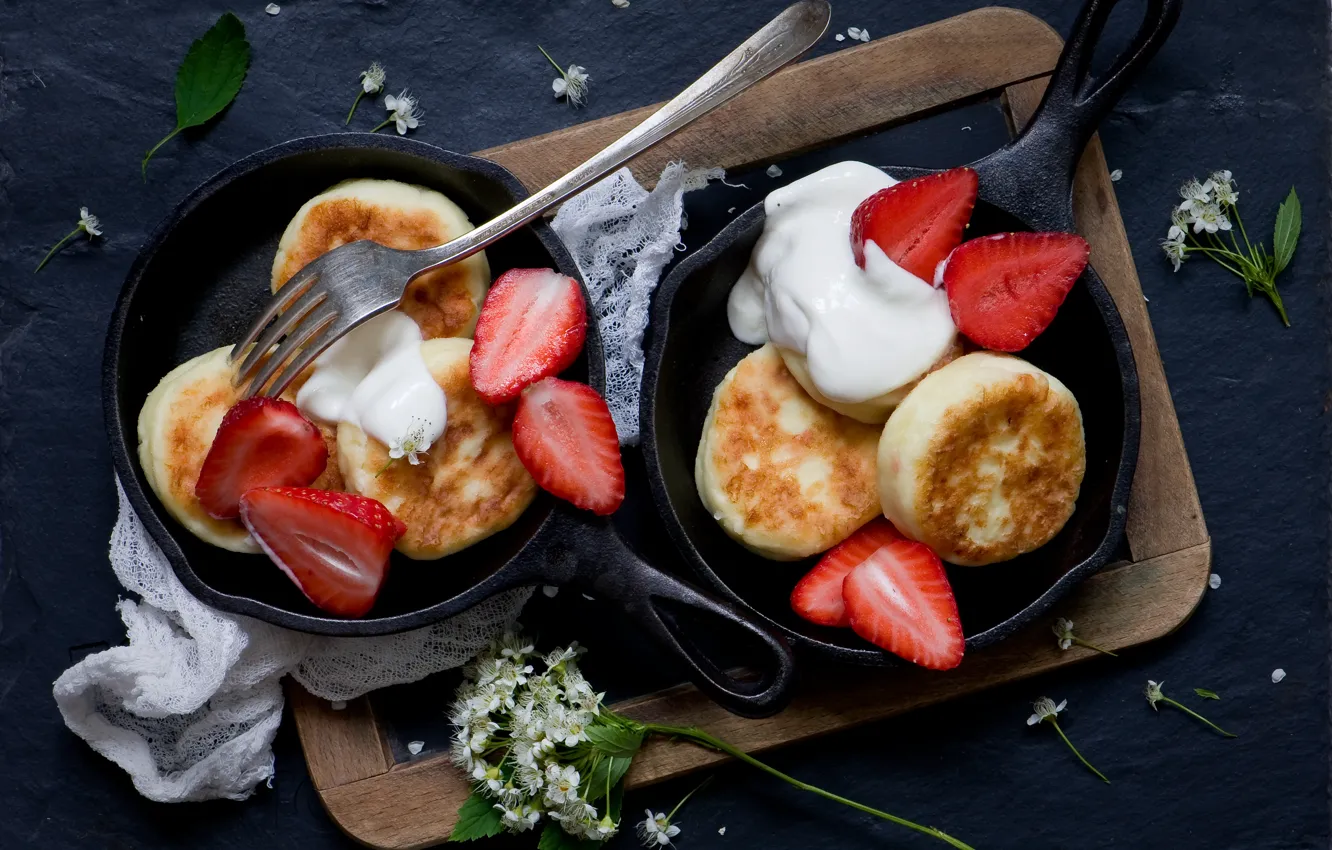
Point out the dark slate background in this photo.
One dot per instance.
(85, 88)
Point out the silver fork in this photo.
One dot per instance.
(360, 280)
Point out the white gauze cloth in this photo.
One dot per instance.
(190, 706)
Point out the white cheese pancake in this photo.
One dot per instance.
(784, 475)
(177, 424)
(983, 460)
(874, 411)
(444, 302)
(468, 486)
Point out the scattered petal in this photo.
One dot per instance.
(415, 747)
(272, 8)
(730, 209)
(1277, 675)
(967, 128)
(620, 4)
(1116, 175)
(338, 704)
(550, 590)
(589, 598)
(1214, 581)
(839, 37)
(774, 171)
(721, 831)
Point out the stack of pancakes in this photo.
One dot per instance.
(469, 485)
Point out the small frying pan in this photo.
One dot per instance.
(1027, 185)
(194, 287)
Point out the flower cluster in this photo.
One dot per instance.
(522, 737)
(1204, 209)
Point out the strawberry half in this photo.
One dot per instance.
(334, 546)
(898, 598)
(262, 442)
(818, 596)
(532, 325)
(1004, 290)
(916, 223)
(564, 435)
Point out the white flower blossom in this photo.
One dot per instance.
(572, 85)
(403, 112)
(1175, 252)
(561, 784)
(1179, 225)
(656, 830)
(413, 444)
(1063, 631)
(1196, 195)
(1223, 188)
(89, 222)
(518, 818)
(1045, 709)
(1153, 693)
(1211, 219)
(372, 78)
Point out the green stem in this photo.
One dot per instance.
(383, 124)
(1275, 298)
(1191, 712)
(1055, 724)
(57, 246)
(1080, 642)
(686, 797)
(1235, 209)
(1212, 252)
(698, 736)
(143, 167)
(552, 61)
(355, 103)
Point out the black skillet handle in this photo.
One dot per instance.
(654, 599)
(1032, 177)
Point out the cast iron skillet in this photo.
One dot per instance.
(195, 286)
(1027, 185)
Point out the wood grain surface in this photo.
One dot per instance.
(989, 51)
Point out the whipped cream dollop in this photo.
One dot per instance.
(375, 378)
(864, 332)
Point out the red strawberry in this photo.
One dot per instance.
(818, 596)
(262, 442)
(564, 435)
(918, 222)
(898, 598)
(1004, 290)
(335, 546)
(531, 326)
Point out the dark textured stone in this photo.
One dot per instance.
(85, 88)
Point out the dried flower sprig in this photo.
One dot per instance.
(88, 223)
(1210, 209)
(1044, 709)
(1063, 632)
(1154, 696)
(571, 84)
(403, 112)
(372, 82)
(544, 746)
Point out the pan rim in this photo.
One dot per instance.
(124, 457)
(1119, 495)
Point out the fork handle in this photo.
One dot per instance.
(785, 38)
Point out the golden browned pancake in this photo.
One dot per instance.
(176, 428)
(444, 302)
(983, 460)
(784, 475)
(873, 411)
(470, 484)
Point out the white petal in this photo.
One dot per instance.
(1060, 707)
(1214, 581)
(550, 590)
(390, 102)
(1033, 720)
(415, 747)
(338, 704)
(559, 86)
(1116, 175)
(721, 831)
(272, 8)
(620, 4)
(774, 170)
(839, 37)
(1277, 675)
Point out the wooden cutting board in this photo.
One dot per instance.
(993, 51)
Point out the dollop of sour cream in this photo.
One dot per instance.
(375, 378)
(864, 332)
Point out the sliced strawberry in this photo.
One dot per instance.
(532, 325)
(917, 222)
(818, 596)
(262, 442)
(334, 546)
(564, 435)
(898, 598)
(1004, 290)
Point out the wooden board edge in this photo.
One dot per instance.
(996, 46)
(340, 746)
(1165, 513)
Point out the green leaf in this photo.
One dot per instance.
(607, 774)
(615, 741)
(1287, 231)
(477, 818)
(210, 76)
(1206, 694)
(553, 837)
